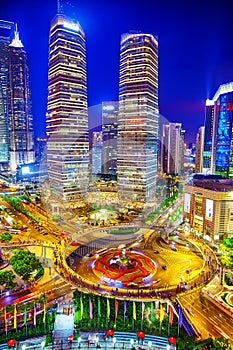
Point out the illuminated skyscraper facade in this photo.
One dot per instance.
(6, 33)
(208, 136)
(109, 129)
(138, 119)
(96, 152)
(221, 126)
(67, 118)
(20, 124)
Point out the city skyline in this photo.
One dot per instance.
(195, 56)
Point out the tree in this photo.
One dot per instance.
(6, 236)
(26, 265)
(7, 279)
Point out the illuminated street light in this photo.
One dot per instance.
(79, 342)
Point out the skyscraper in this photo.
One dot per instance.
(21, 143)
(221, 124)
(109, 129)
(6, 33)
(208, 136)
(172, 149)
(138, 119)
(67, 118)
(199, 150)
(96, 152)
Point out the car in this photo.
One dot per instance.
(173, 248)
(75, 244)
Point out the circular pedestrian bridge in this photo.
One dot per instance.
(136, 262)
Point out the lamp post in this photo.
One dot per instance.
(114, 342)
(79, 342)
(97, 340)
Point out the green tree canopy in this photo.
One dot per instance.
(6, 236)
(25, 264)
(7, 279)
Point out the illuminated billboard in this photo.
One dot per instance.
(187, 198)
(209, 209)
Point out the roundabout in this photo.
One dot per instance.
(139, 265)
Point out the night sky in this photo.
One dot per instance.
(195, 50)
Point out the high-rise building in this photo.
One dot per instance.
(96, 152)
(67, 117)
(6, 34)
(199, 150)
(109, 129)
(20, 125)
(137, 161)
(172, 149)
(221, 108)
(208, 136)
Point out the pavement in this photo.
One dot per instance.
(64, 322)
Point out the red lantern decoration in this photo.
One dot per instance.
(172, 340)
(11, 343)
(110, 333)
(141, 335)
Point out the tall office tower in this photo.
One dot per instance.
(96, 152)
(138, 119)
(109, 129)
(207, 147)
(199, 150)
(21, 144)
(172, 149)
(6, 34)
(222, 141)
(67, 117)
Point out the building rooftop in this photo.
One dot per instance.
(214, 184)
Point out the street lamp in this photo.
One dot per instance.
(114, 341)
(97, 340)
(79, 342)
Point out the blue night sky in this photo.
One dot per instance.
(195, 50)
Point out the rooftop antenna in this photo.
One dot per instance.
(58, 6)
(16, 42)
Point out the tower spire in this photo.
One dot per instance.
(58, 7)
(16, 42)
